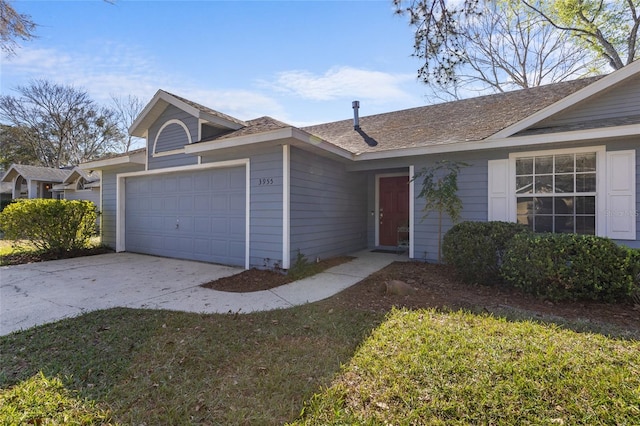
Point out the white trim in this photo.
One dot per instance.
(173, 151)
(412, 185)
(121, 192)
(286, 207)
(297, 135)
(247, 214)
(377, 202)
(601, 188)
(510, 143)
(135, 158)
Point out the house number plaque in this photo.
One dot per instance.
(265, 181)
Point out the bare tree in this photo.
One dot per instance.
(61, 125)
(509, 47)
(14, 26)
(604, 28)
(127, 110)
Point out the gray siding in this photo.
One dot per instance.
(472, 190)
(92, 195)
(109, 198)
(328, 207)
(620, 101)
(171, 138)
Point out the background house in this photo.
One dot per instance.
(23, 181)
(559, 158)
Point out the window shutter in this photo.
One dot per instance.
(621, 195)
(498, 200)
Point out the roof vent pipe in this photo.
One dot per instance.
(356, 118)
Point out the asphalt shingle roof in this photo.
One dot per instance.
(472, 119)
(41, 173)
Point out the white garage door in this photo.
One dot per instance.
(197, 215)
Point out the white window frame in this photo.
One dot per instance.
(601, 190)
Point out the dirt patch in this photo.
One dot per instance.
(437, 287)
(258, 280)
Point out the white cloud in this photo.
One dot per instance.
(345, 82)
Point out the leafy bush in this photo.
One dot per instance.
(476, 249)
(50, 225)
(569, 266)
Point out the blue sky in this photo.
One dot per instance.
(301, 62)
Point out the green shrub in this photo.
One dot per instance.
(569, 266)
(50, 225)
(476, 249)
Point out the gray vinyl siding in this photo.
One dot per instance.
(92, 195)
(472, 190)
(265, 229)
(108, 206)
(620, 101)
(172, 137)
(328, 207)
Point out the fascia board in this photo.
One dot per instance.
(582, 94)
(9, 175)
(512, 142)
(274, 135)
(137, 158)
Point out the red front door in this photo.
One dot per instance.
(394, 208)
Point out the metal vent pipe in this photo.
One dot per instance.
(356, 118)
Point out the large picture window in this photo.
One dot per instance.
(557, 192)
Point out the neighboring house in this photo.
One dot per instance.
(46, 182)
(210, 187)
(33, 181)
(80, 185)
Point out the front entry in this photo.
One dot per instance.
(393, 211)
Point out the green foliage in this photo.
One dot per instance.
(42, 400)
(50, 225)
(476, 249)
(439, 191)
(423, 367)
(569, 266)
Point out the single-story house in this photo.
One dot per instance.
(33, 181)
(79, 185)
(254, 193)
(46, 182)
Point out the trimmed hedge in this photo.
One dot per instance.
(50, 225)
(570, 266)
(476, 249)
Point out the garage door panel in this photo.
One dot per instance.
(208, 206)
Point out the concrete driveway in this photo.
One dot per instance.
(39, 293)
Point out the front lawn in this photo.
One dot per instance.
(412, 367)
(430, 368)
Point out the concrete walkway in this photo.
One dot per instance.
(39, 293)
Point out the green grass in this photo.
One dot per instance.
(160, 367)
(412, 367)
(8, 247)
(425, 367)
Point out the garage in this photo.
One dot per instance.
(195, 215)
